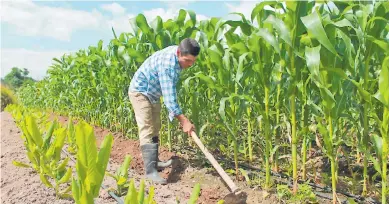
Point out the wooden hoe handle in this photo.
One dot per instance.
(215, 164)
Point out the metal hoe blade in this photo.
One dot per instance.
(235, 198)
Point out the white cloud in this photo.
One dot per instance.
(244, 7)
(119, 23)
(114, 8)
(166, 14)
(37, 62)
(30, 19)
(27, 18)
(173, 5)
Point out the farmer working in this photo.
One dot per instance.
(158, 77)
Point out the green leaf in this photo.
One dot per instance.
(33, 129)
(121, 181)
(150, 198)
(327, 140)
(382, 44)
(60, 136)
(124, 167)
(281, 28)
(240, 70)
(48, 135)
(62, 166)
(66, 177)
(20, 164)
(315, 29)
(141, 194)
(45, 180)
(364, 94)
(181, 17)
(76, 190)
(245, 27)
(192, 16)
(138, 56)
(132, 196)
(312, 56)
(240, 48)
(195, 194)
(141, 22)
(269, 38)
(102, 160)
(376, 164)
(259, 7)
(157, 24)
(383, 84)
(87, 150)
(209, 82)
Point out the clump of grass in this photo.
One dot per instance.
(7, 96)
(303, 195)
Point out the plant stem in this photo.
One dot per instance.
(267, 136)
(169, 135)
(305, 140)
(277, 130)
(333, 173)
(236, 156)
(294, 143)
(385, 149)
(249, 130)
(333, 163)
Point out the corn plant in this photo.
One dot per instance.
(91, 163)
(381, 144)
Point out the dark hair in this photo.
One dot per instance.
(189, 46)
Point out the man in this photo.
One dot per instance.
(157, 77)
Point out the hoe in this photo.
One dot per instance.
(235, 196)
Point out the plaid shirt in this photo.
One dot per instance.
(158, 77)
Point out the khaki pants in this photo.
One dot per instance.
(147, 117)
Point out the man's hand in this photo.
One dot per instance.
(185, 123)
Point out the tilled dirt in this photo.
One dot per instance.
(23, 185)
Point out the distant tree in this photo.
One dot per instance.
(17, 77)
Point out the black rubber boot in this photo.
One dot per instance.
(161, 164)
(150, 157)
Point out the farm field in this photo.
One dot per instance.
(292, 100)
(181, 182)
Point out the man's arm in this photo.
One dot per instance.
(167, 79)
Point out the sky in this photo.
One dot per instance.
(35, 32)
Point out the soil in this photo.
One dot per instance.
(23, 185)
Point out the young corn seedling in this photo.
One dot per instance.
(121, 176)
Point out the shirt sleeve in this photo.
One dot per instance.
(168, 78)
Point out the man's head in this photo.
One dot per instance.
(187, 52)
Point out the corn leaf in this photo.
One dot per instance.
(315, 29)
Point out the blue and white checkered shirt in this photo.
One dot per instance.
(158, 77)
